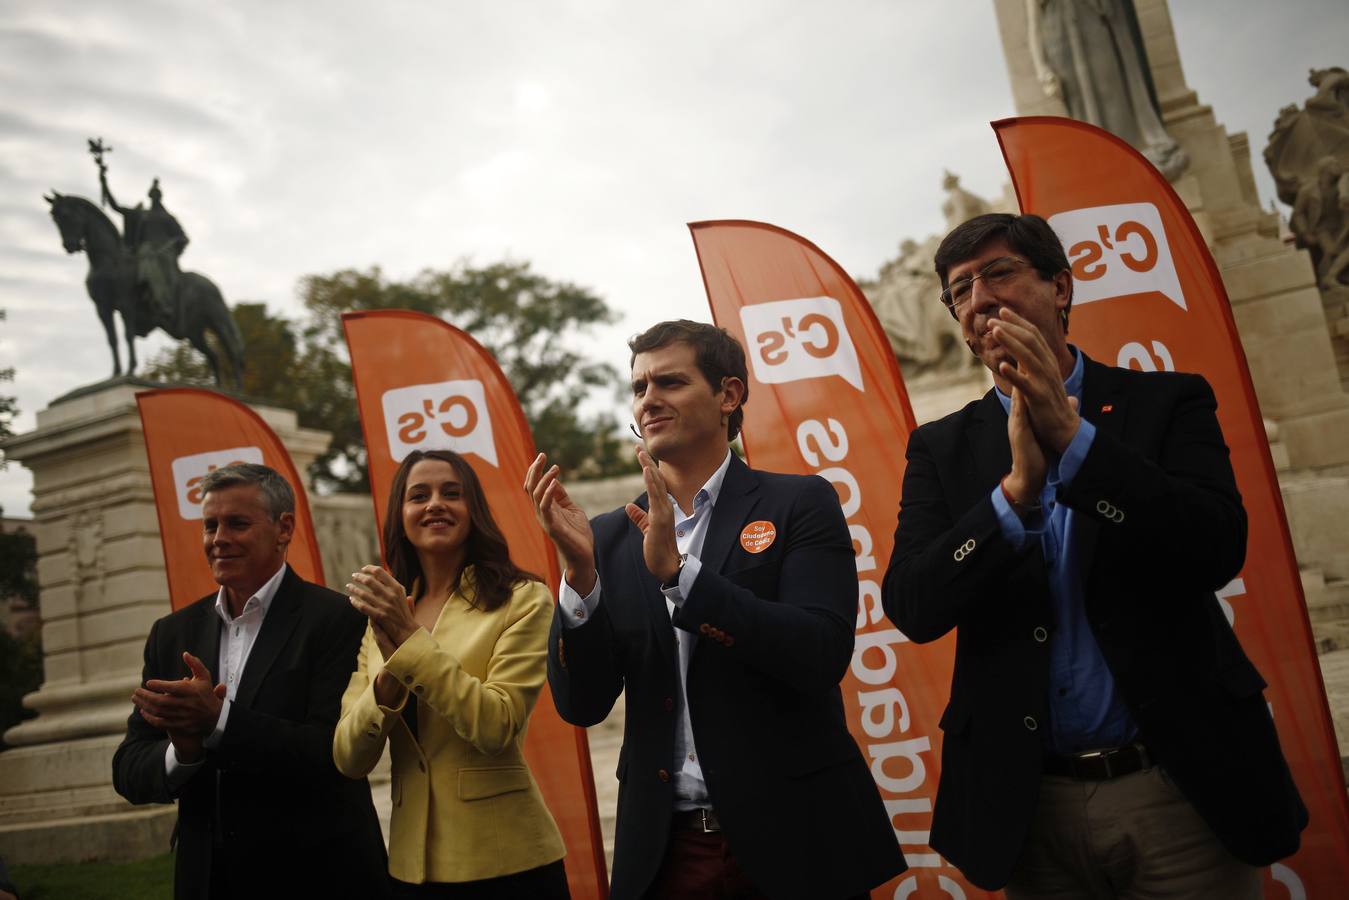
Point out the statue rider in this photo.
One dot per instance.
(156, 240)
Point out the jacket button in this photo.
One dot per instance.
(663, 775)
(1040, 634)
(704, 628)
(407, 679)
(1030, 723)
(419, 689)
(729, 641)
(669, 704)
(1103, 507)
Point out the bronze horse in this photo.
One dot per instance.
(112, 286)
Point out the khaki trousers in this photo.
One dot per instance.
(1134, 837)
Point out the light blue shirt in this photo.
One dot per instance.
(1085, 708)
(690, 789)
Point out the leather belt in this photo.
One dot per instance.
(704, 820)
(1099, 765)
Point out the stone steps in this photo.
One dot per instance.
(1328, 610)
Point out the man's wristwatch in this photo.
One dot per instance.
(673, 581)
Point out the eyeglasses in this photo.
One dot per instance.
(995, 273)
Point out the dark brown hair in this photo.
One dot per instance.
(485, 549)
(717, 354)
(1028, 235)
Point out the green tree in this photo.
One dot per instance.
(20, 656)
(8, 405)
(531, 324)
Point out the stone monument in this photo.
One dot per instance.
(1308, 155)
(135, 274)
(940, 374)
(1091, 55)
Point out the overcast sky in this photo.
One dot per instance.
(581, 135)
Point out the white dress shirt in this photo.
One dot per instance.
(237, 636)
(690, 790)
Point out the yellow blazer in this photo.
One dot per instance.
(465, 806)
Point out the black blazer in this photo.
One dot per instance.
(1161, 527)
(269, 804)
(774, 634)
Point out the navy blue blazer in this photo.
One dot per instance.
(1161, 528)
(268, 804)
(774, 633)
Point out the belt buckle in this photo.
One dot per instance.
(702, 815)
(1082, 760)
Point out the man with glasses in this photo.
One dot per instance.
(1106, 735)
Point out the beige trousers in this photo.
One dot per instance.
(1133, 837)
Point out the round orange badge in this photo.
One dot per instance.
(758, 536)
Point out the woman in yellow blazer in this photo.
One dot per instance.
(448, 673)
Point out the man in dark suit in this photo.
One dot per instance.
(1106, 735)
(243, 740)
(722, 602)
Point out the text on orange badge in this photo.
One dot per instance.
(758, 536)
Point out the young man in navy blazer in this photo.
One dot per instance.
(721, 604)
(1106, 735)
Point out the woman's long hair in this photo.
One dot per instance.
(485, 549)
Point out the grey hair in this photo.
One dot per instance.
(277, 495)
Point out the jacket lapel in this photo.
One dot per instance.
(658, 614)
(988, 445)
(282, 617)
(1103, 405)
(204, 639)
(736, 500)
(739, 494)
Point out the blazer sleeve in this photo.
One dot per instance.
(943, 567)
(363, 729)
(804, 635)
(585, 676)
(138, 772)
(301, 748)
(488, 713)
(1180, 508)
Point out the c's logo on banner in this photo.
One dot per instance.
(447, 415)
(1116, 251)
(788, 340)
(188, 471)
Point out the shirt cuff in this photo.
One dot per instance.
(176, 772)
(218, 734)
(688, 574)
(577, 610)
(1062, 475)
(1009, 523)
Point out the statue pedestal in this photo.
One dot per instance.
(102, 583)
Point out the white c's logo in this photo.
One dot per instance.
(1116, 251)
(188, 471)
(447, 415)
(789, 340)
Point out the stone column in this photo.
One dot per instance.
(102, 582)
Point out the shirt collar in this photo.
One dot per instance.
(712, 487)
(263, 595)
(1072, 385)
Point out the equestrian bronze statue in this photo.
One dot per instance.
(135, 273)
